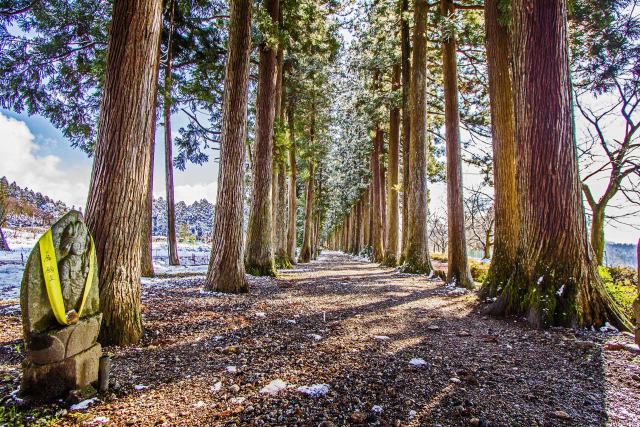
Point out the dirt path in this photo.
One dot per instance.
(354, 327)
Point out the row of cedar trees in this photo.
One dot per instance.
(118, 206)
(542, 263)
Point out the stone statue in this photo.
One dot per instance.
(61, 357)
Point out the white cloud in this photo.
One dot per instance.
(19, 161)
(190, 193)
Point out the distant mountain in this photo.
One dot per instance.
(30, 209)
(621, 254)
(197, 217)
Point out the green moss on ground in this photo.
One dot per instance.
(621, 283)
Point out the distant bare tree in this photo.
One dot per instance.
(4, 213)
(438, 230)
(480, 220)
(610, 154)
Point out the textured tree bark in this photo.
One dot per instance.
(259, 260)
(281, 212)
(366, 221)
(358, 228)
(119, 179)
(383, 191)
(293, 197)
(376, 209)
(416, 257)
(4, 245)
(636, 302)
(317, 214)
(555, 280)
(406, 120)
(306, 252)
(146, 260)
(458, 265)
(393, 220)
(168, 150)
(226, 267)
(498, 46)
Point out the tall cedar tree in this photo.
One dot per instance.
(555, 280)
(505, 241)
(280, 210)
(306, 252)
(406, 118)
(458, 265)
(259, 259)
(393, 220)
(172, 246)
(119, 180)
(293, 197)
(4, 213)
(226, 267)
(416, 257)
(146, 260)
(377, 233)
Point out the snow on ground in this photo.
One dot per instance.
(194, 260)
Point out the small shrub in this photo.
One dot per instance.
(479, 270)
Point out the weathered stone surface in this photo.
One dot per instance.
(55, 380)
(71, 242)
(61, 358)
(57, 344)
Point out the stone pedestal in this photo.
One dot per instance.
(56, 380)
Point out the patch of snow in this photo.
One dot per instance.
(237, 400)
(99, 420)
(140, 387)
(381, 337)
(260, 314)
(274, 387)
(412, 413)
(216, 387)
(291, 321)
(83, 405)
(540, 279)
(608, 327)
(376, 409)
(315, 390)
(417, 361)
(560, 291)
(232, 369)
(315, 336)
(455, 380)
(199, 404)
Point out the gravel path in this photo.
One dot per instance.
(375, 346)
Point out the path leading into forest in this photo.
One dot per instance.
(393, 349)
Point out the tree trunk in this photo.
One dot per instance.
(636, 302)
(146, 260)
(376, 210)
(406, 120)
(416, 257)
(4, 245)
(168, 151)
(366, 219)
(307, 241)
(597, 232)
(259, 260)
(226, 267)
(293, 197)
(281, 212)
(118, 190)
(393, 221)
(507, 226)
(555, 280)
(458, 265)
(487, 244)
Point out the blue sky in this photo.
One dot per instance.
(28, 140)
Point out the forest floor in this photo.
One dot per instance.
(367, 345)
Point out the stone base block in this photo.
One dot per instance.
(56, 380)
